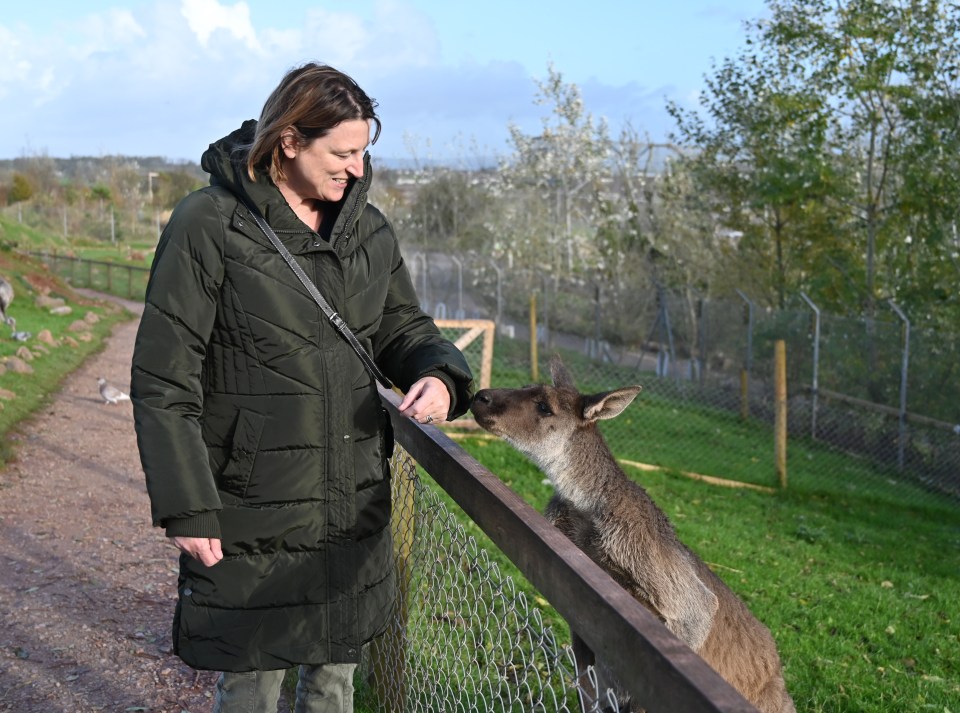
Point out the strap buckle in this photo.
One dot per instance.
(337, 321)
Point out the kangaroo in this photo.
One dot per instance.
(615, 522)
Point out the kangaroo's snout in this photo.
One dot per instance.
(481, 397)
(482, 407)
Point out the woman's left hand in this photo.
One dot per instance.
(427, 401)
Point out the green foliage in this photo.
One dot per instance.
(21, 189)
(450, 212)
(100, 192)
(830, 142)
(171, 187)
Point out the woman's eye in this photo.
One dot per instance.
(544, 409)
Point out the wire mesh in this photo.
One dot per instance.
(464, 637)
(869, 410)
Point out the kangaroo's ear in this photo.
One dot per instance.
(561, 377)
(609, 404)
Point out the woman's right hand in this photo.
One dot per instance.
(205, 549)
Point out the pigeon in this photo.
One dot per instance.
(20, 336)
(111, 394)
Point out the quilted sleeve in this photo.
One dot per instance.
(409, 346)
(166, 391)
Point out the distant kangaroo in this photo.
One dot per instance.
(614, 521)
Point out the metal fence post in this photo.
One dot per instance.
(701, 344)
(459, 314)
(534, 359)
(904, 364)
(815, 385)
(499, 290)
(747, 362)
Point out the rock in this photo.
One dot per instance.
(18, 365)
(44, 301)
(46, 336)
(61, 310)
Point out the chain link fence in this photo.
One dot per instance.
(872, 404)
(465, 638)
(471, 633)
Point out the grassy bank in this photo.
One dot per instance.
(33, 369)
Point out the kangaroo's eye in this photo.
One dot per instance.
(544, 409)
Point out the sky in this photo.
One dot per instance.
(168, 77)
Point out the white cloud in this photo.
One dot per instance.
(205, 17)
(396, 36)
(116, 27)
(168, 77)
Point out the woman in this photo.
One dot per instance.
(261, 433)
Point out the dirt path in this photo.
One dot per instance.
(87, 586)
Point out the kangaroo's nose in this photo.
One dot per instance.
(482, 397)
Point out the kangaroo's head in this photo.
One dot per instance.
(544, 421)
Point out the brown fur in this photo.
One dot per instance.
(615, 522)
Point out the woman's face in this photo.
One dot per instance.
(321, 169)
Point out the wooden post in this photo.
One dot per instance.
(534, 363)
(780, 413)
(388, 654)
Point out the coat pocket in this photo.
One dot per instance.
(243, 452)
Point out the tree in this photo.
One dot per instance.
(762, 160)
(172, 186)
(451, 212)
(839, 117)
(557, 174)
(21, 190)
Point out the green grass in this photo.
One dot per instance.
(859, 594)
(50, 363)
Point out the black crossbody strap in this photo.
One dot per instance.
(335, 319)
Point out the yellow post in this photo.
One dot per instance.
(780, 413)
(534, 364)
(388, 653)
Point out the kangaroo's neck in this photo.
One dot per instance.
(582, 469)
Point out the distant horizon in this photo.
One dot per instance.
(483, 162)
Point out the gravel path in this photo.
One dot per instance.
(87, 586)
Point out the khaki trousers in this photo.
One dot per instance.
(320, 689)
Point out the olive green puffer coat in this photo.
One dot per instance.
(258, 424)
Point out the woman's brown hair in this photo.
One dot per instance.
(310, 100)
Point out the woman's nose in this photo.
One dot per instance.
(355, 169)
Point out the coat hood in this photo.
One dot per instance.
(225, 161)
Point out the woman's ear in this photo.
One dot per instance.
(288, 142)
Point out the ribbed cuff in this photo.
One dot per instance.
(204, 524)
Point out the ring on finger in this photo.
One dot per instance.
(429, 418)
